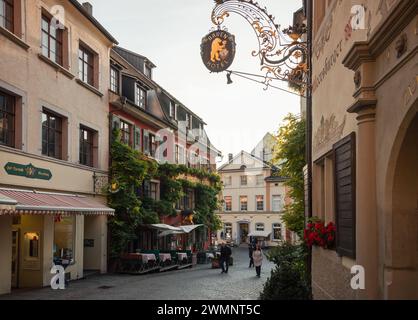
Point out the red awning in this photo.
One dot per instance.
(36, 202)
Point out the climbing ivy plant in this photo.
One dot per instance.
(129, 169)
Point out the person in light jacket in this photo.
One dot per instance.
(258, 259)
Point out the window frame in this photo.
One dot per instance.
(277, 226)
(242, 178)
(10, 142)
(88, 65)
(74, 233)
(8, 17)
(114, 79)
(60, 120)
(241, 203)
(82, 143)
(126, 132)
(280, 202)
(258, 224)
(257, 202)
(226, 207)
(140, 96)
(58, 39)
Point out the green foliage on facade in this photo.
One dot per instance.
(290, 155)
(129, 169)
(289, 280)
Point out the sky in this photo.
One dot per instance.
(169, 33)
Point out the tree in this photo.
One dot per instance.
(290, 156)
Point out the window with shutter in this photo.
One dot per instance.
(146, 142)
(345, 195)
(115, 122)
(137, 139)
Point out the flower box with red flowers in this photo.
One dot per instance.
(320, 235)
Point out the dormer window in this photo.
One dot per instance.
(172, 110)
(140, 96)
(148, 71)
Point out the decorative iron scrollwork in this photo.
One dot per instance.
(282, 55)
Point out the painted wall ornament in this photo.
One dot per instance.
(401, 45)
(329, 130)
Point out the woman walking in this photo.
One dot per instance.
(258, 259)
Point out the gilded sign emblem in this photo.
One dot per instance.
(218, 50)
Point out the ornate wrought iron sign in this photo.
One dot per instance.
(27, 171)
(282, 55)
(218, 50)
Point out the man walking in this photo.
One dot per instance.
(225, 256)
(250, 252)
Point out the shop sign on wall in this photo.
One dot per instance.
(27, 171)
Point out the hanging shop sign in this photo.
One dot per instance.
(218, 50)
(27, 171)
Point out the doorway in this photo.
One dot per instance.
(15, 259)
(244, 230)
(402, 277)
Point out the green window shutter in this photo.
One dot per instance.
(115, 122)
(146, 142)
(137, 139)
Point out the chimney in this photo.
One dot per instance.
(88, 7)
(230, 157)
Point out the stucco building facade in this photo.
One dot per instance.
(365, 150)
(253, 202)
(54, 77)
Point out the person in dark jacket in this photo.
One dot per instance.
(250, 252)
(226, 253)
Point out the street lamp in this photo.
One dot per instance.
(283, 56)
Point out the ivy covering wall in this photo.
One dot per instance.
(128, 171)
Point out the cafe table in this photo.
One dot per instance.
(165, 257)
(181, 256)
(147, 257)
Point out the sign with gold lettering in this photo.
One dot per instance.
(218, 50)
(27, 171)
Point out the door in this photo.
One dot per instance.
(244, 232)
(15, 258)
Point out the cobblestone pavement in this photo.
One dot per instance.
(199, 283)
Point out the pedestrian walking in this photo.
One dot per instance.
(258, 259)
(250, 253)
(226, 253)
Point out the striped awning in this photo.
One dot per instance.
(26, 202)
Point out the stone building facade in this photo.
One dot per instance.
(365, 150)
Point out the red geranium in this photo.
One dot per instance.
(317, 234)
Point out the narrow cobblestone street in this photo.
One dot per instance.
(199, 283)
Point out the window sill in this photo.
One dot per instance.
(89, 87)
(12, 37)
(56, 66)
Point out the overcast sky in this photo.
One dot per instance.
(169, 33)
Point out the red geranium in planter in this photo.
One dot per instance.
(317, 234)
